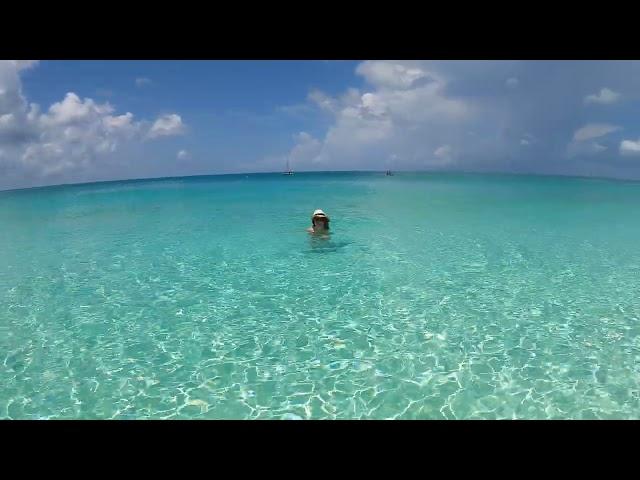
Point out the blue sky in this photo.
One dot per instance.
(75, 121)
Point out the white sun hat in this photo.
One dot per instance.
(319, 213)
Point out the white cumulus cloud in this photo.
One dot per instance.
(305, 150)
(401, 111)
(583, 139)
(167, 125)
(68, 137)
(394, 75)
(593, 130)
(630, 147)
(24, 64)
(410, 109)
(183, 155)
(72, 110)
(604, 97)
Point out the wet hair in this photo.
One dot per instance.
(313, 222)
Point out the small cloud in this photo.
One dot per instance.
(605, 97)
(629, 147)
(167, 125)
(183, 155)
(575, 149)
(527, 139)
(143, 81)
(512, 82)
(443, 152)
(593, 130)
(583, 144)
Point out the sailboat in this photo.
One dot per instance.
(288, 171)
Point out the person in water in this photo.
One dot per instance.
(319, 223)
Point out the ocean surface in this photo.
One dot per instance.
(456, 296)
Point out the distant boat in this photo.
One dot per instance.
(388, 173)
(288, 171)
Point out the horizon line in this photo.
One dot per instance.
(467, 172)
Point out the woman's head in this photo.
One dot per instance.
(319, 217)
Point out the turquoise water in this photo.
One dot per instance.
(437, 296)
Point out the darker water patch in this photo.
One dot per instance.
(326, 245)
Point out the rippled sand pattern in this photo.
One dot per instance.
(438, 296)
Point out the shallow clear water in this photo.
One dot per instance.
(437, 296)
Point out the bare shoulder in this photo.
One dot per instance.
(310, 229)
